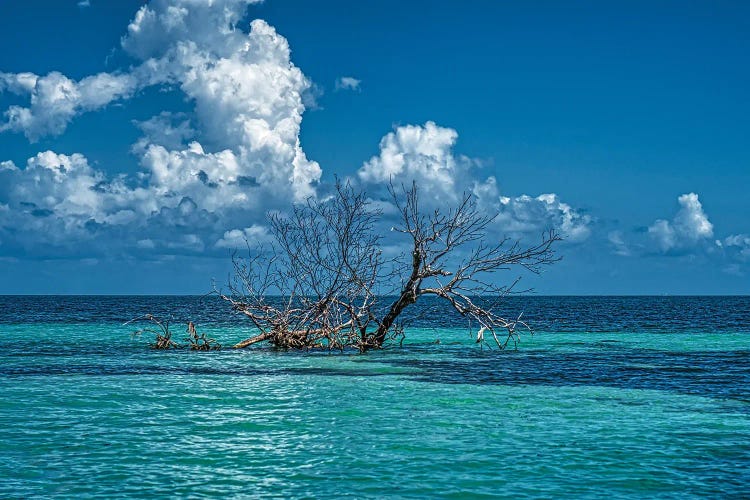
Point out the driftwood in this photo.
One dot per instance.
(163, 335)
(162, 332)
(199, 342)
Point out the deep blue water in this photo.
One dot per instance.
(557, 314)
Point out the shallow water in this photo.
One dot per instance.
(613, 396)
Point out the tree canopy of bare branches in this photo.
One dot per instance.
(320, 283)
(324, 263)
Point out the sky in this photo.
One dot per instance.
(142, 142)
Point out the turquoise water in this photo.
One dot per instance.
(87, 411)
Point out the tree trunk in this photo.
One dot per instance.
(253, 340)
(408, 296)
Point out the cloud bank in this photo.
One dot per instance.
(208, 177)
(687, 235)
(424, 153)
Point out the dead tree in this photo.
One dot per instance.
(436, 241)
(324, 264)
(326, 270)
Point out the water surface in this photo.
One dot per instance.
(629, 397)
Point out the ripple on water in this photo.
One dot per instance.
(86, 411)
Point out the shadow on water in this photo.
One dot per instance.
(724, 375)
(716, 374)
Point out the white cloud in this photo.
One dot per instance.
(347, 83)
(689, 227)
(250, 102)
(84, 3)
(57, 198)
(738, 245)
(170, 130)
(237, 155)
(526, 214)
(55, 99)
(736, 249)
(213, 180)
(620, 246)
(688, 234)
(60, 205)
(239, 238)
(161, 25)
(18, 83)
(424, 153)
(248, 95)
(57, 183)
(7, 165)
(248, 99)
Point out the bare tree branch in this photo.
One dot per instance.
(326, 267)
(438, 237)
(325, 263)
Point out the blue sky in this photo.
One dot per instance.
(139, 148)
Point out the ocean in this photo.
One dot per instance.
(627, 397)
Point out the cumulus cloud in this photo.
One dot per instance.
(237, 238)
(59, 205)
(248, 95)
(53, 184)
(55, 99)
(689, 227)
(238, 155)
(526, 214)
(167, 129)
(736, 247)
(347, 83)
(161, 25)
(57, 197)
(424, 153)
(689, 234)
(221, 166)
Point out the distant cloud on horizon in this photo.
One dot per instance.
(688, 234)
(689, 227)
